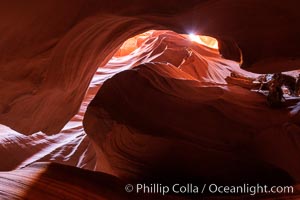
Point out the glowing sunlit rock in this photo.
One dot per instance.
(135, 42)
(132, 44)
(204, 40)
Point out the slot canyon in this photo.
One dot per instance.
(150, 99)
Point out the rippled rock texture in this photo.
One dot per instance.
(152, 120)
(163, 111)
(49, 59)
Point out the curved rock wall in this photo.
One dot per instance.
(148, 122)
(50, 50)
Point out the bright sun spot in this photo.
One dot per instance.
(204, 40)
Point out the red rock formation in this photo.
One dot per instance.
(50, 51)
(45, 46)
(138, 116)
